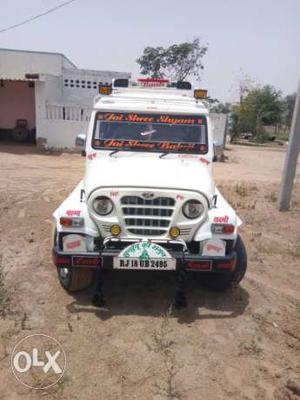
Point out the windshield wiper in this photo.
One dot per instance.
(113, 152)
(146, 133)
(163, 154)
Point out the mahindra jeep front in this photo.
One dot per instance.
(148, 200)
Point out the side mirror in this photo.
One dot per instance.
(80, 143)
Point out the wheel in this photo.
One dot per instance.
(20, 134)
(224, 281)
(74, 280)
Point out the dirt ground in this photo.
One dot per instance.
(243, 344)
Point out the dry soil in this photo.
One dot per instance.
(243, 344)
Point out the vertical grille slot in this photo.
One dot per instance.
(147, 216)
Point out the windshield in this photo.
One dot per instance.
(151, 132)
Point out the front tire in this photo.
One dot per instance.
(221, 282)
(74, 280)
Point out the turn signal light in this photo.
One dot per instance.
(222, 229)
(74, 222)
(105, 90)
(228, 229)
(200, 93)
(65, 221)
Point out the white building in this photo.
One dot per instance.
(49, 93)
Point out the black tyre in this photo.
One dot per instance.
(20, 134)
(74, 280)
(221, 281)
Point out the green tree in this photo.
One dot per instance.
(153, 61)
(288, 106)
(176, 62)
(222, 108)
(261, 106)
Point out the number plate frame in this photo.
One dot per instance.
(153, 264)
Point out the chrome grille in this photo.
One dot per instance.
(154, 212)
(159, 201)
(147, 216)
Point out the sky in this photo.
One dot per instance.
(259, 39)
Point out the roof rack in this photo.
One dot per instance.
(150, 83)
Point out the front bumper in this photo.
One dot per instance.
(104, 260)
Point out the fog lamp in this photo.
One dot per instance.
(174, 232)
(115, 230)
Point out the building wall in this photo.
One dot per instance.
(64, 94)
(16, 63)
(64, 105)
(17, 101)
(81, 86)
(59, 126)
(60, 134)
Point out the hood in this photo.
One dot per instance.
(151, 171)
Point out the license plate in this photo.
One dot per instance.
(144, 255)
(151, 264)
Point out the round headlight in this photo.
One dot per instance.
(103, 205)
(193, 209)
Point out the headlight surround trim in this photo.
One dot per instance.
(110, 205)
(198, 203)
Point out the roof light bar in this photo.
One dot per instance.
(150, 82)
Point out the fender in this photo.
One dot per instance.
(222, 213)
(74, 206)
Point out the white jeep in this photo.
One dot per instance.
(148, 199)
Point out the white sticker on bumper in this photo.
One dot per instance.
(74, 243)
(214, 247)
